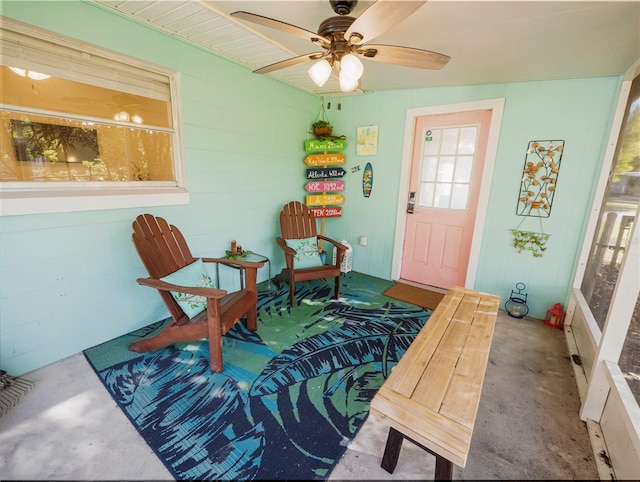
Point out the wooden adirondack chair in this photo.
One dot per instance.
(297, 222)
(163, 251)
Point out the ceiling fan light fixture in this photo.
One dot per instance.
(320, 72)
(351, 66)
(347, 82)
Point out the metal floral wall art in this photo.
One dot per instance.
(540, 177)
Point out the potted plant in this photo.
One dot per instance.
(322, 128)
(534, 242)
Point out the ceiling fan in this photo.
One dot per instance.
(344, 38)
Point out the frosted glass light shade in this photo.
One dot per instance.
(320, 72)
(351, 66)
(347, 84)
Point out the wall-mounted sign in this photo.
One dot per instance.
(324, 173)
(335, 212)
(324, 199)
(324, 159)
(315, 145)
(324, 186)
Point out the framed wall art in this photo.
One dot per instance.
(367, 141)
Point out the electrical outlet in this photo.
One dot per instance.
(363, 240)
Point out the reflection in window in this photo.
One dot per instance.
(617, 215)
(447, 163)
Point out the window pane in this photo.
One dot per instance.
(467, 143)
(449, 141)
(630, 356)
(459, 196)
(617, 214)
(429, 169)
(432, 142)
(425, 197)
(442, 195)
(445, 169)
(463, 169)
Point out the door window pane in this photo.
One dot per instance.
(445, 169)
(425, 196)
(459, 196)
(429, 165)
(449, 141)
(467, 143)
(442, 195)
(463, 169)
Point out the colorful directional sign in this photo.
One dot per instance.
(324, 159)
(315, 145)
(324, 186)
(325, 173)
(324, 199)
(335, 212)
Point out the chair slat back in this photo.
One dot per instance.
(161, 247)
(297, 222)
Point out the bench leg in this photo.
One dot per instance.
(444, 469)
(392, 450)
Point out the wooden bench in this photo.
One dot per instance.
(431, 398)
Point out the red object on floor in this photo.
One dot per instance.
(555, 317)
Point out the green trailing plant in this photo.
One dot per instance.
(530, 241)
(321, 123)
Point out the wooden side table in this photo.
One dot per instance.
(249, 257)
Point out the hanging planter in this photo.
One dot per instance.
(530, 241)
(322, 128)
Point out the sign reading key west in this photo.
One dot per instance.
(324, 186)
(324, 199)
(324, 159)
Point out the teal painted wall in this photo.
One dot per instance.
(68, 280)
(578, 111)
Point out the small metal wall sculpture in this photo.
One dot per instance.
(539, 179)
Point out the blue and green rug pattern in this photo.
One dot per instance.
(291, 397)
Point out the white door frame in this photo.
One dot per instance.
(497, 106)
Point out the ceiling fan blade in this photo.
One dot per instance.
(405, 56)
(288, 63)
(278, 25)
(380, 17)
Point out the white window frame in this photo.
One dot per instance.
(21, 198)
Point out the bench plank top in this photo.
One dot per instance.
(433, 393)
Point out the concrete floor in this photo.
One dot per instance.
(527, 427)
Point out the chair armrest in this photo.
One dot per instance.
(192, 290)
(287, 250)
(235, 262)
(340, 246)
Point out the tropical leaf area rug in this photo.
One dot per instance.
(291, 397)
